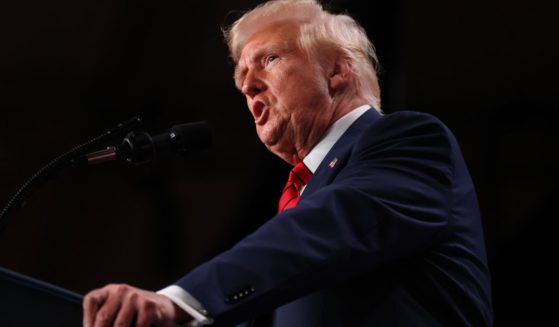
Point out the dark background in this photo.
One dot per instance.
(69, 70)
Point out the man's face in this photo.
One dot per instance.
(286, 92)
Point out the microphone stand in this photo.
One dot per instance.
(64, 160)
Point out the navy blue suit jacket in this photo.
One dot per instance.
(387, 233)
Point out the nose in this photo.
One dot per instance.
(252, 85)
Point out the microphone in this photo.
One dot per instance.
(140, 147)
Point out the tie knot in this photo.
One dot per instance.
(300, 175)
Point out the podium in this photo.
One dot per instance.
(25, 301)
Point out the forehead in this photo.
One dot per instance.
(274, 37)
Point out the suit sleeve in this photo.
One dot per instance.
(387, 202)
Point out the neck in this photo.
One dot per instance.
(339, 108)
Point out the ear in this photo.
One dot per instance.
(339, 75)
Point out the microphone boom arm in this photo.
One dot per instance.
(62, 161)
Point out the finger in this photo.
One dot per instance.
(91, 303)
(108, 311)
(147, 313)
(127, 311)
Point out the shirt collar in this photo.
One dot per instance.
(331, 136)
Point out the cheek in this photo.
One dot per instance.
(300, 88)
(310, 93)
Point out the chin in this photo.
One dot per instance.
(269, 139)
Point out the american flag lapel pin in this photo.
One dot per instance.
(333, 163)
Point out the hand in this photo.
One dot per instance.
(124, 305)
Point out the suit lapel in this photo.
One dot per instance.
(337, 157)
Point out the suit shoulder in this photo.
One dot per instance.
(407, 125)
(413, 119)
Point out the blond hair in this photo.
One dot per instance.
(319, 30)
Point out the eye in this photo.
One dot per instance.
(270, 59)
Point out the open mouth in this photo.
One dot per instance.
(260, 112)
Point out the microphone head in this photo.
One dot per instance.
(181, 139)
(191, 137)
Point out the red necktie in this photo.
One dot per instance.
(299, 176)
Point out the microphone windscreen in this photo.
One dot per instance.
(180, 139)
(191, 137)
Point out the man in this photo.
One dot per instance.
(387, 229)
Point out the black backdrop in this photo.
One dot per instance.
(71, 69)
